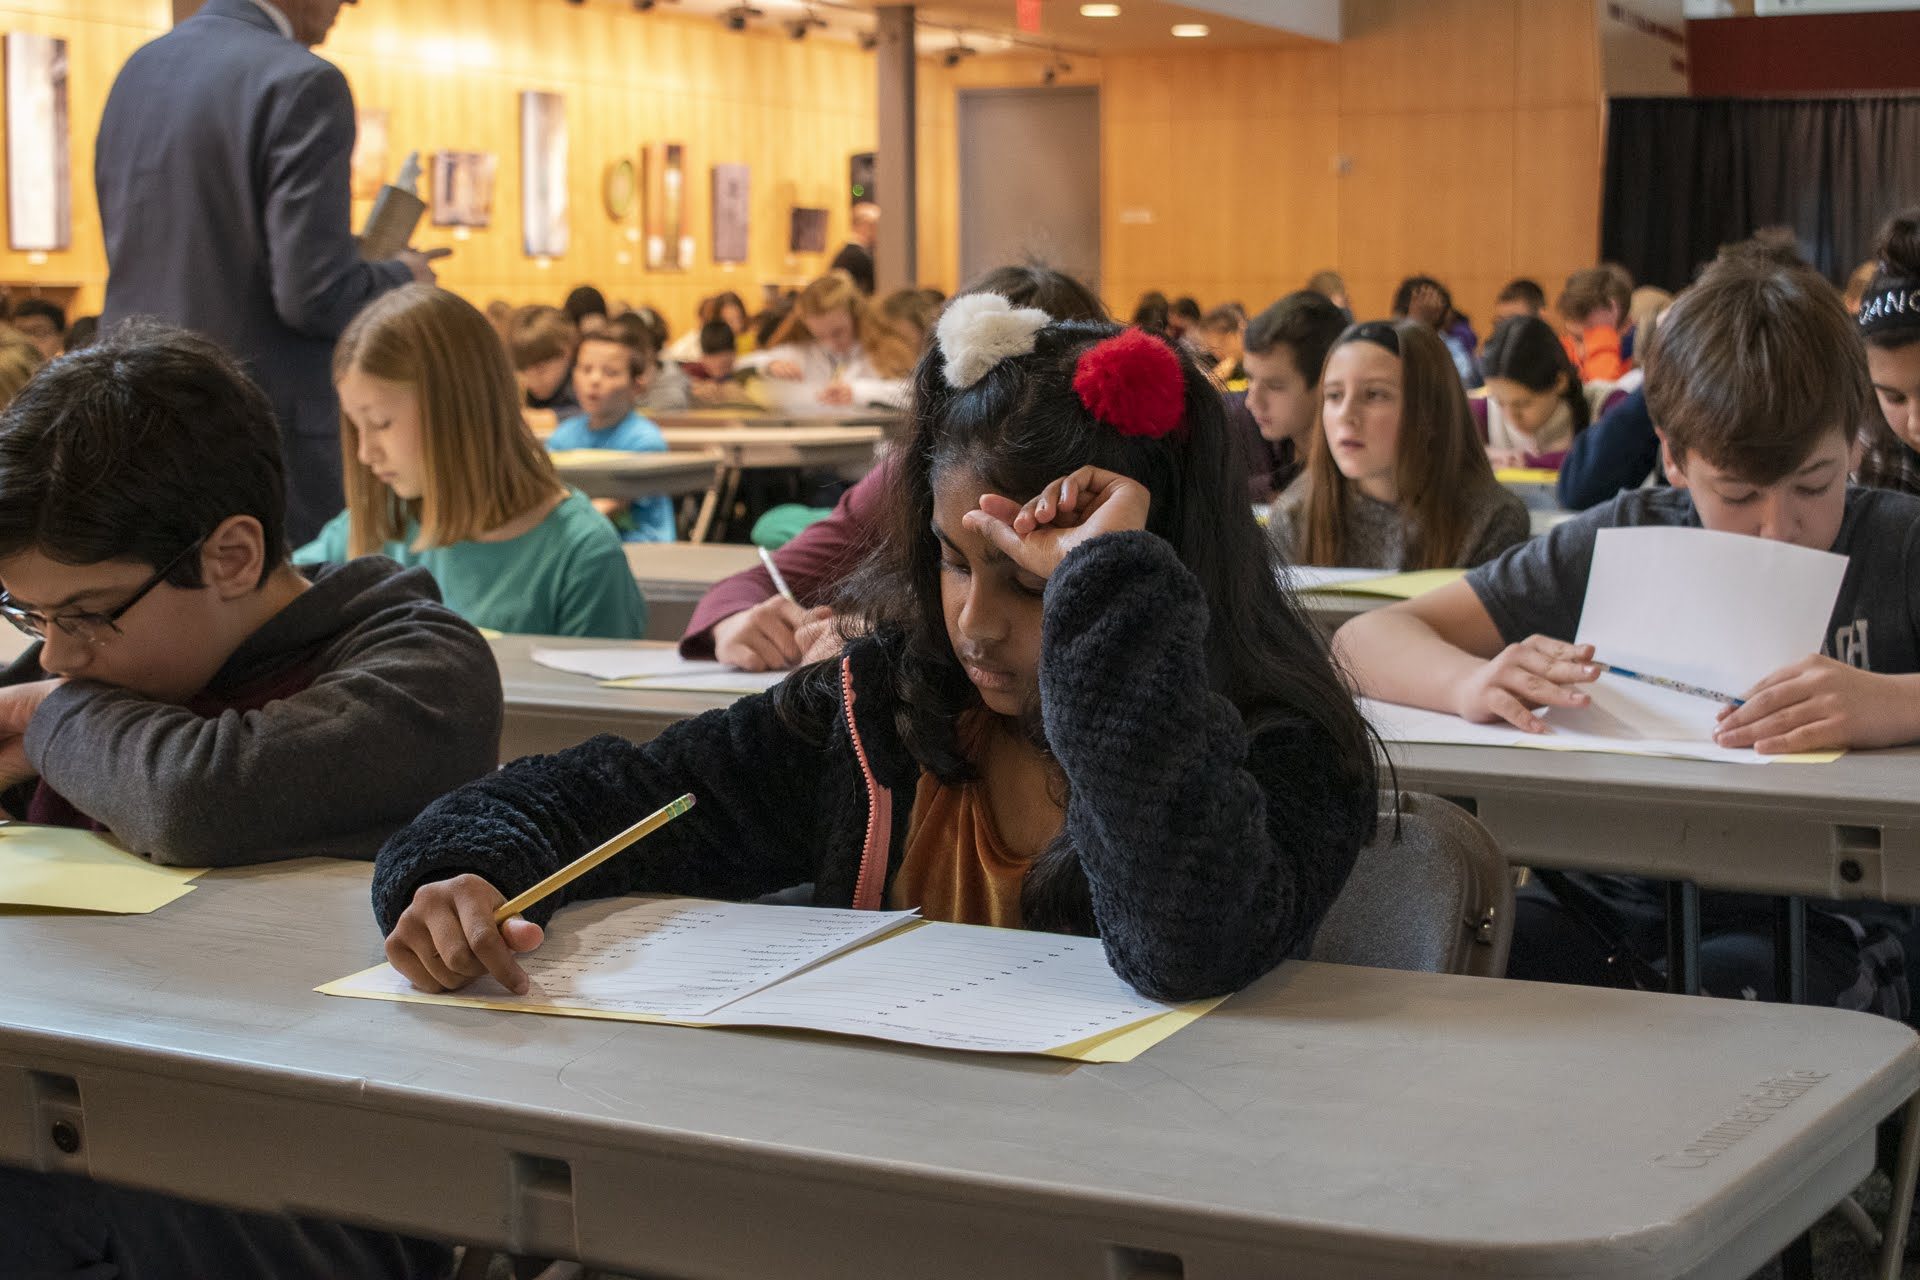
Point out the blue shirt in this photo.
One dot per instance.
(650, 519)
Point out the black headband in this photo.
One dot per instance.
(1892, 304)
(1380, 333)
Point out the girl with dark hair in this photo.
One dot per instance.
(1397, 477)
(744, 621)
(1084, 704)
(1535, 404)
(1889, 319)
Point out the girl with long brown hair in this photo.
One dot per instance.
(1397, 477)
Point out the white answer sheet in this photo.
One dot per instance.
(623, 663)
(956, 986)
(1627, 724)
(656, 669)
(671, 957)
(705, 963)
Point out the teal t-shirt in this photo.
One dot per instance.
(566, 576)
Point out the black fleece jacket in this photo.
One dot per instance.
(1212, 853)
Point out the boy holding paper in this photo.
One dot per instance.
(1757, 384)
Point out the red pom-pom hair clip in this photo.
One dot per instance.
(1133, 383)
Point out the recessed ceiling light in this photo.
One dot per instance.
(1099, 10)
(1191, 30)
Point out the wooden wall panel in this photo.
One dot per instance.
(1467, 130)
(449, 72)
(1459, 138)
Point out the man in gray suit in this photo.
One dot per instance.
(223, 169)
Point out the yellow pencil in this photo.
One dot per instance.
(588, 861)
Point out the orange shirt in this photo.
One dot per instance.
(1596, 354)
(957, 868)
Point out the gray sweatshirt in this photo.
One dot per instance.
(1377, 535)
(394, 701)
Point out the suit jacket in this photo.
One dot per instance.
(223, 169)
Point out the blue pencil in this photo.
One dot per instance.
(1675, 685)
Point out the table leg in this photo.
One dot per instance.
(709, 504)
(1906, 1172)
(1790, 950)
(1683, 937)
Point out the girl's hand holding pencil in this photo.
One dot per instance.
(463, 928)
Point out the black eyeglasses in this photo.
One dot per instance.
(92, 629)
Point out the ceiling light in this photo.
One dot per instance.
(1099, 10)
(1191, 30)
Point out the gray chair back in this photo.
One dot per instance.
(1431, 893)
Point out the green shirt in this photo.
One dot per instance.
(566, 576)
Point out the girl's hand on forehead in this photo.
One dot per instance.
(1074, 509)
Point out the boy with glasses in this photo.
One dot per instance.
(192, 692)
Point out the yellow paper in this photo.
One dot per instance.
(1398, 586)
(488, 633)
(1525, 475)
(736, 682)
(80, 871)
(1128, 1043)
(1538, 742)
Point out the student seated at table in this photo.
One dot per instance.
(209, 705)
(1519, 297)
(1084, 704)
(610, 373)
(710, 377)
(1594, 306)
(44, 323)
(441, 472)
(541, 341)
(189, 677)
(833, 349)
(1757, 382)
(1221, 332)
(1889, 319)
(1426, 300)
(20, 359)
(744, 621)
(1285, 347)
(724, 307)
(910, 313)
(586, 306)
(1535, 404)
(1397, 477)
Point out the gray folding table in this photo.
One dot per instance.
(1329, 1121)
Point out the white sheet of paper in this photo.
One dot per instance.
(956, 986)
(1313, 577)
(1718, 610)
(1628, 718)
(674, 957)
(624, 663)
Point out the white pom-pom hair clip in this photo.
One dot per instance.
(979, 330)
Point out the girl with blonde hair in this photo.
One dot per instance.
(833, 349)
(441, 472)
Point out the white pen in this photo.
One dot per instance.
(773, 571)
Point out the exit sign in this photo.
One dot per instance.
(1026, 15)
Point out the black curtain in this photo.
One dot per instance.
(1686, 175)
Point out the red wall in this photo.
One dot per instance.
(1819, 53)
